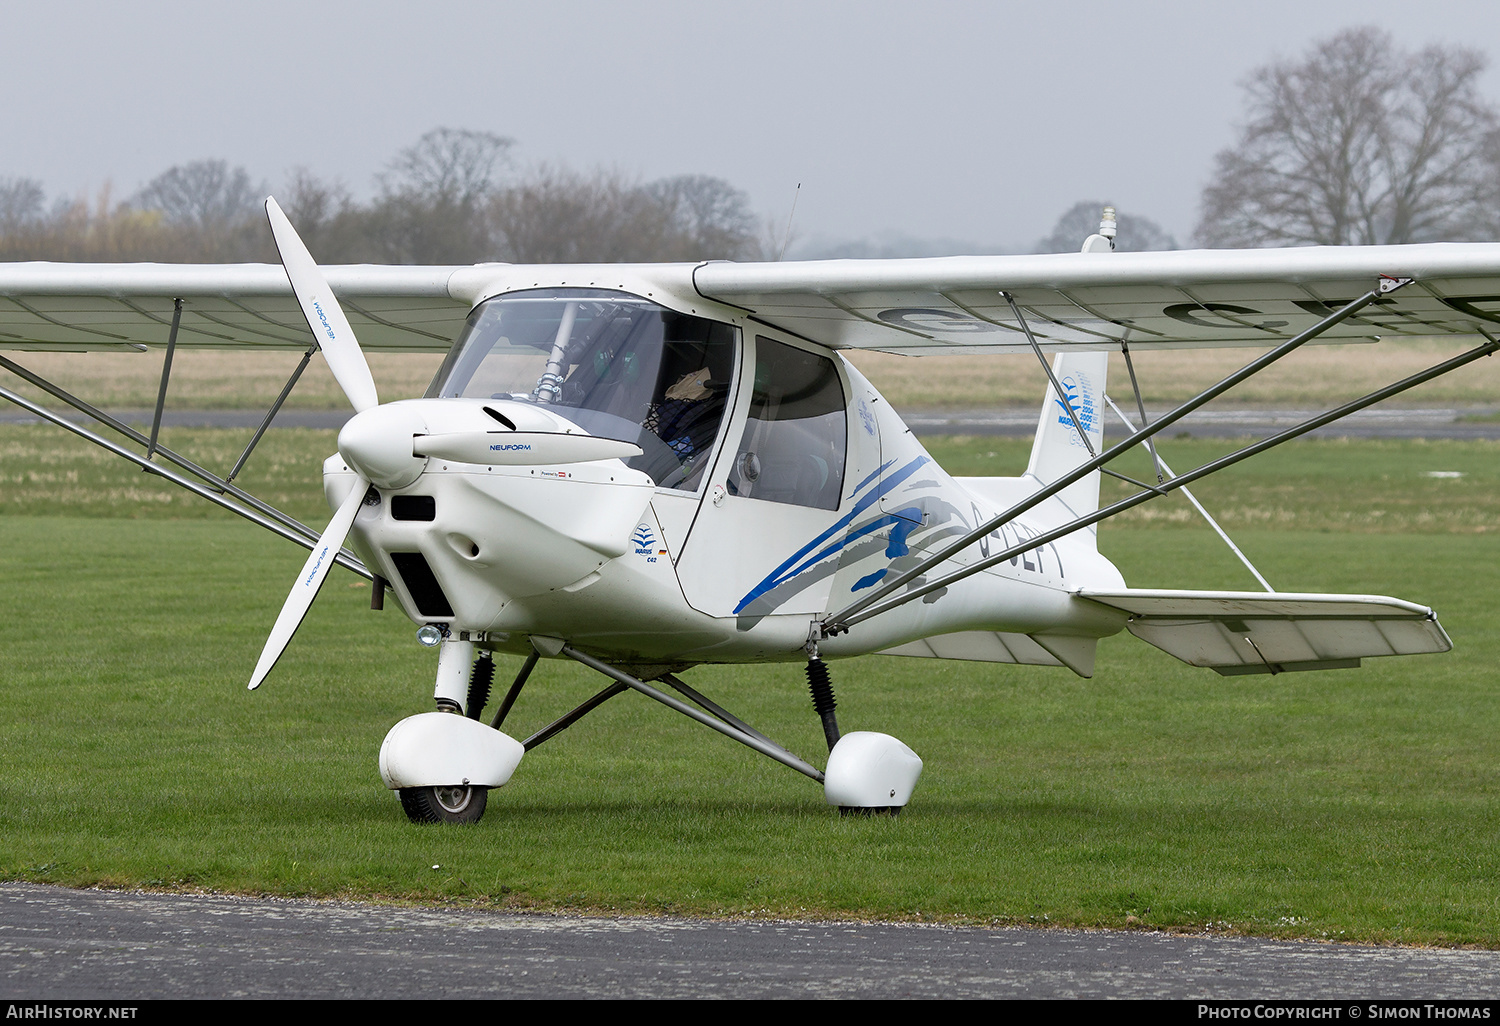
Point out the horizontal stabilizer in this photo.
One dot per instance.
(1077, 654)
(1253, 632)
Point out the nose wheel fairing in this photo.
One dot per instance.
(437, 749)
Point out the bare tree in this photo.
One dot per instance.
(80, 229)
(1359, 143)
(435, 196)
(334, 227)
(557, 215)
(311, 203)
(1136, 234)
(442, 200)
(203, 194)
(449, 164)
(20, 204)
(1488, 201)
(709, 218)
(212, 207)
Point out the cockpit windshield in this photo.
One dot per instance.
(617, 365)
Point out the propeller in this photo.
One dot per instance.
(347, 362)
(309, 582)
(388, 443)
(324, 315)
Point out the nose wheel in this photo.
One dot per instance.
(445, 804)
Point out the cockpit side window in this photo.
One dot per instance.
(616, 365)
(796, 436)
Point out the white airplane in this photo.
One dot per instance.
(647, 468)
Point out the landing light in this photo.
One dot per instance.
(429, 635)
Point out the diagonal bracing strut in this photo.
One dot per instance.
(344, 558)
(1062, 397)
(755, 740)
(286, 390)
(843, 620)
(1140, 404)
(218, 484)
(166, 374)
(1161, 465)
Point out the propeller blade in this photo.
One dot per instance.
(521, 448)
(324, 315)
(309, 581)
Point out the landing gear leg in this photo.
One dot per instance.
(455, 660)
(820, 684)
(868, 774)
(443, 764)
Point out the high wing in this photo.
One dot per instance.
(70, 307)
(1179, 299)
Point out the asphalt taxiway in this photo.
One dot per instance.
(60, 944)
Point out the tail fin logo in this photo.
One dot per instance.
(1079, 396)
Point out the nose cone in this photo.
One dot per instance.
(377, 443)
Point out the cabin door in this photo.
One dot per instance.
(767, 537)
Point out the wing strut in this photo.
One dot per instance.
(219, 485)
(1140, 404)
(166, 374)
(843, 619)
(271, 413)
(344, 559)
(839, 622)
(1057, 389)
(1161, 465)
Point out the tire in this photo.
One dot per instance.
(455, 804)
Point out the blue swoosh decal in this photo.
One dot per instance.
(796, 563)
(878, 471)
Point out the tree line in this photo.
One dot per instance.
(453, 197)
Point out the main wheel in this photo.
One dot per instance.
(456, 803)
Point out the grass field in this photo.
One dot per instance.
(1348, 804)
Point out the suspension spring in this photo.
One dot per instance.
(820, 684)
(480, 679)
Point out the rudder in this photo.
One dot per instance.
(1058, 448)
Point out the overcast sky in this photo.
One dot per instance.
(978, 122)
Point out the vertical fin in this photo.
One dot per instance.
(1057, 448)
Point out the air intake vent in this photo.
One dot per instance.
(413, 507)
(421, 583)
